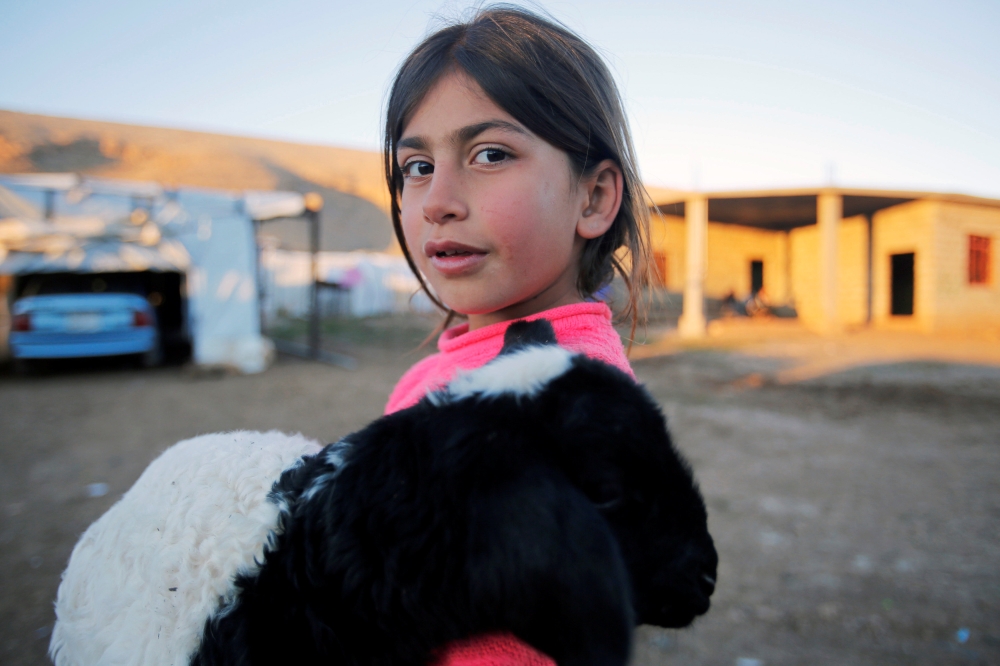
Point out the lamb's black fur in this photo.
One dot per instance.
(566, 518)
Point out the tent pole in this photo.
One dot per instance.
(313, 204)
(259, 274)
(314, 293)
(50, 204)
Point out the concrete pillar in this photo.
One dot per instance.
(870, 226)
(692, 321)
(829, 210)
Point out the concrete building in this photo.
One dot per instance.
(842, 258)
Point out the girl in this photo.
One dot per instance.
(514, 195)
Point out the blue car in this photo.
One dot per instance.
(78, 325)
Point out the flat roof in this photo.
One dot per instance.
(781, 210)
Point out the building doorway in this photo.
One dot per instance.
(902, 283)
(756, 276)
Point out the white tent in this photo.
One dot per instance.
(115, 226)
(371, 283)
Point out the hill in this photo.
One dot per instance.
(350, 181)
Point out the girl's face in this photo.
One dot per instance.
(491, 213)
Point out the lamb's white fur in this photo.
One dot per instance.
(523, 373)
(169, 550)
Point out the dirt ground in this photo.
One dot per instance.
(856, 513)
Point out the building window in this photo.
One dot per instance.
(660, 264)
(979, 259)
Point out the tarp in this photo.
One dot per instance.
(116, 226)
(372, 283)
(12, 205)
(62, 255)
(222, 286)
(271, 205)
(86, 243)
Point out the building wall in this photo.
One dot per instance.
(731, 248)
(852, 273)
(905, 228)
(668, 236)
(805, 274)
(852, 288)
(958, 304)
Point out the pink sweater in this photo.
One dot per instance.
(581, 327)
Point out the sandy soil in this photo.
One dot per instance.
(856, 514)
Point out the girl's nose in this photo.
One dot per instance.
(445, 201)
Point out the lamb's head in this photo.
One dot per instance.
(610, 439)
(615, 447)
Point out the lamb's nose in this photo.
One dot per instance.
(707, 583)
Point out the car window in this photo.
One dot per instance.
(73, 283)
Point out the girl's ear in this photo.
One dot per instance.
(603, 190)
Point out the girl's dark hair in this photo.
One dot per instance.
(555, 84)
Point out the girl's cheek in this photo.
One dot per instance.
(513, 212)
(528, 221)
(411, 234)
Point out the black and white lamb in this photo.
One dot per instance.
(539, 495)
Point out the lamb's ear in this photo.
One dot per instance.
(523, 334)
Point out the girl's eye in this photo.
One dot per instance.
(417, 168)
(490, 156)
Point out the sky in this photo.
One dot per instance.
(721, 95)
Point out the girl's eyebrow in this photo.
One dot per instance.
(464, 134)
(414, 142)
(470, 132)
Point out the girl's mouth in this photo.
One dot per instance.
(453, 259)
